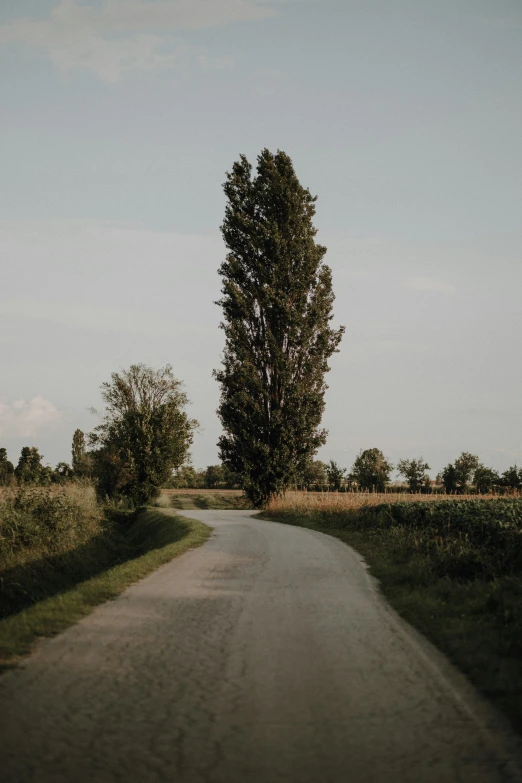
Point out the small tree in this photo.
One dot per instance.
(144, 433)
(81, 460)
(214, 475)
(371, 471)
(512, 478)
(485, 479)
(29, 469)
(335, 475)
(449, 479)
(187, 477)
(465, 467)
(314, 473)
(457, 476)
(277, 306)
(414, 471)
(6, 469)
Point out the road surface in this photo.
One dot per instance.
(265, 656)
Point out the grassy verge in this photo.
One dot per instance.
(454, 576)
(131, 548)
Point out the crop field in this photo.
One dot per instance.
(304, 502)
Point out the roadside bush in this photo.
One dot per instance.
(46, 518)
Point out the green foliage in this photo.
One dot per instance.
(335, 475)
(214, 476)
(277, 304)
(414, 471)
(144, 433)
(512, 478)
(457, 476)
(314, 473)
(371, 471)
(485, 479)
(81, 461)
(30, 469)
(6, 469)
(449, 479)
(187, 477)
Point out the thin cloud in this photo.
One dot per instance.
(23, 418)
(124, 35)
(429, 284)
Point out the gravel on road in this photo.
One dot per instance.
(265, 656)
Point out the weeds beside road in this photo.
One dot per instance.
(452, 567)
(61, 554)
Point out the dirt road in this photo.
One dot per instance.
(265, 656)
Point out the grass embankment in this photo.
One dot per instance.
(61, 555)
(453, 569)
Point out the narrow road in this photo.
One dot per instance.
(265, 656)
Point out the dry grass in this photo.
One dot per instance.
(304, 502)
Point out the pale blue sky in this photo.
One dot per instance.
(118, 122)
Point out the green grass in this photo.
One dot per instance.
(461, 585)
(151, 538)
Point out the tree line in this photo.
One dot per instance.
(371, 472)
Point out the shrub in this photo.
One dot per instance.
(46, 518)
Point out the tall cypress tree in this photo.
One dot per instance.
(277, 306)
(78, 453)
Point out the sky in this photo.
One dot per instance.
(118, 122)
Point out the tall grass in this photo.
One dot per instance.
(306, 502)
(38, 520)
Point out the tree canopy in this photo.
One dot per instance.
(277, 308)
(144, 433)
(371, 471)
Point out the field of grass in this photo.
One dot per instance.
(305, 502)
(452, 568)
(74, 557)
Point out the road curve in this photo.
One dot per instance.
(265, 656)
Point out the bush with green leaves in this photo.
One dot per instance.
(371, 471)
(144, 434)
(45, 517)
(414, 471)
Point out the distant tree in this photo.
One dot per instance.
(277, 306)
(457, 476)
(187, 477)
(371, 471)
(29, 469)
(335, 475)
(414, 471)
(81, 460)
(465, 467)
(449, 479)
(512, 478)
(232, 480)
(485, 479)
(62, 472)
(6, 469)
(144, 433)
(214, 476)
(314, 473)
